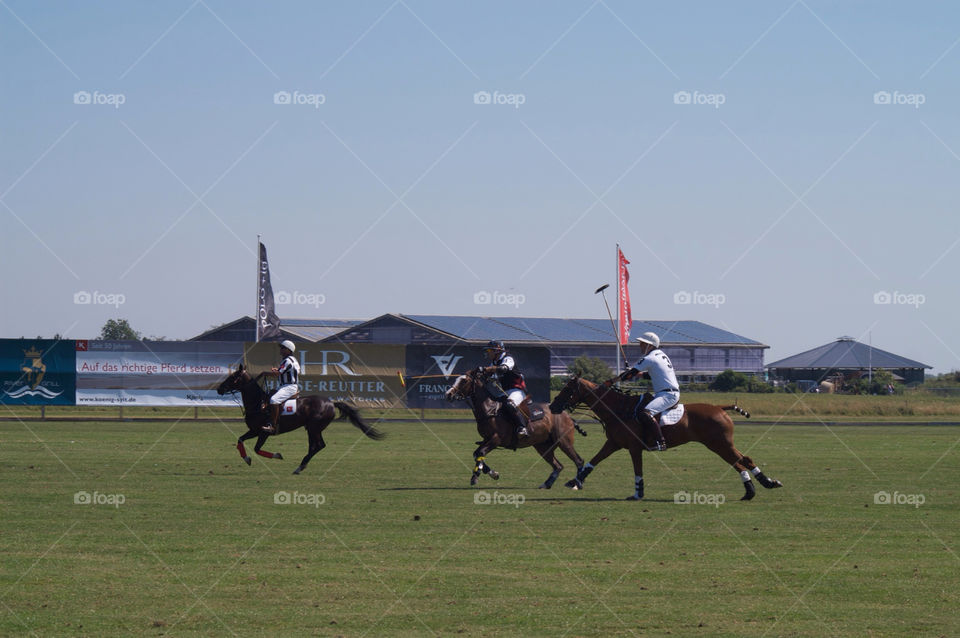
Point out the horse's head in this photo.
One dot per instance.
(570, 395)
(235, 381)
(464, 387)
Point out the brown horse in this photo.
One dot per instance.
(546, 432)
(314, 413)
(701, 422)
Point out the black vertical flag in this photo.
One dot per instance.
(268, 323)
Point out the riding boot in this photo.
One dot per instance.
(273, 425)
(650, 430)
(513, 416)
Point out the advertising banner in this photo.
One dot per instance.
(37, 372)
(624, 316)
(154, 373)
(268, 324)
(442, 364)
(362, 374)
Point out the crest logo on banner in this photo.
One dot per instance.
(30, 383)
(446, 363)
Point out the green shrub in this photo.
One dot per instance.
(590, 368)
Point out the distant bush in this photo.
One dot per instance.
(732, 381)
(590, 368)
(880, 384)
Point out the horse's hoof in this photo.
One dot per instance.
(751, 491)
(298, 470)
(473, 480)
(277, 455)
(633, 497)
(495, 475)
(248, 460)
(544, 486)
(574, 484)
(775, 484)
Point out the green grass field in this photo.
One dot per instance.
(386, 538)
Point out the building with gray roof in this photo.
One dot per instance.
(845, 356)
(699, 351)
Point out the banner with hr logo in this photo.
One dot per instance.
(362, 374)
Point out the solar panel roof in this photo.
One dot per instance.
(846, 353)
(582, 330)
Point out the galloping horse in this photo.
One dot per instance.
(546, 433)
(701, 422)
(313, 413)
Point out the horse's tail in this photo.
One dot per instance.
(350, 412)
(736, 408)
(579, 429)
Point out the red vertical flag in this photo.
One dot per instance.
(624, 316)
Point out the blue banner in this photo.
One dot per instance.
(431, 371)
(38, 372)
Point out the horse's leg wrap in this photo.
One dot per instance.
(747, 463)
(765, 480)
(576, 482)
(550, 480)
(637, 488)
(749, 490)
(584, 471)
(242, 449)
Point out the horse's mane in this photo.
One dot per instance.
(254, 384)
(602, 392)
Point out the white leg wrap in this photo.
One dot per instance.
(756, 470)
(745, 475)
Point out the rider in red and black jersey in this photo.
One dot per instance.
(505, 384)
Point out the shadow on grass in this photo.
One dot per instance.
(502, 488)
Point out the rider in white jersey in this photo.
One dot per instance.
(666, 391)
(288, 374)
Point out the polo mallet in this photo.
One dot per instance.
(601, 290)
(403, 379)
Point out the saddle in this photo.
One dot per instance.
(529, 411)
(667, 417)
(288, 408)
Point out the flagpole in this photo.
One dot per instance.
(256, 314)
(619, 301)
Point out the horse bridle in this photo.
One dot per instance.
(582, 399)
(239, 388)
(458, 395)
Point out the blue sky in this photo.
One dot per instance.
(788, 194)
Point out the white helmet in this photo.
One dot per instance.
(651, 338)
(288, 345)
